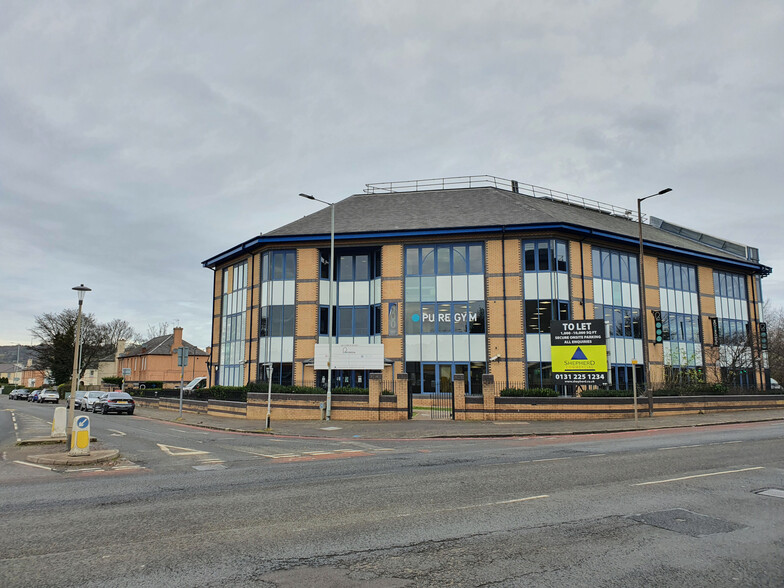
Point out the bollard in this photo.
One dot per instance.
(80, 436)
(323, 409)
(59, 421)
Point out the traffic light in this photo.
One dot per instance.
(763, 329)
(657, 326)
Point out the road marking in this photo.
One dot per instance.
(181, 450)
(87, 470)
(128, 467)
(552, 459)
(33, 465)
(596, 455)
(117, 433)
(731, 442)
(699, 476)
(349, 451)
(486, 504)
(316, 452)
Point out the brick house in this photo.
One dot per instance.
(156, 360)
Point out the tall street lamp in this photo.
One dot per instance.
(329, 311)
(643, 307)
(81, 290)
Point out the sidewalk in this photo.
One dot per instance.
(424, 429)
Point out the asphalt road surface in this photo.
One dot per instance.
(191, 507)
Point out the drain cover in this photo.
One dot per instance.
(775, 492)
(686, 522)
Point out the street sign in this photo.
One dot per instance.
(182, 356)
(579, 351)
(126, 372)
(80, 436)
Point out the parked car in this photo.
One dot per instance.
(19, 394)
(114, 402)
(48, 395)
(774, 385)
(88, 400)
(33, 397)
(77, 399)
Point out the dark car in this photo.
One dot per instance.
(114, 402)
(33, 396)
(20, 394)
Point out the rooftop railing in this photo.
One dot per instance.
(485, 181)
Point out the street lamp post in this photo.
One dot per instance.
(329, 311)
(643, 307)
(81, 290)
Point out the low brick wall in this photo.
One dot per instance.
(189, 406)
(227, 408)
(543, 409)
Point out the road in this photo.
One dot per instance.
(191, 507)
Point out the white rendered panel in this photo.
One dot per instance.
(607, 288)
(323, 292)
(276, 298)
(275, 345)
(443, 288)
(287, 349)
(346, 293)
(477, 347)
(598, 292)
(357, 356)
(460, 288)
(413, 348)
(532, 352)
(476, 287)
(361, 293)
(544, 346)
(626, 294)
(563, 286)
(289, 292)
(262, 349)
(635, 296)
(630, 350)
(544, 286)
(429, 350)
(377, 291)
(444, 347)
(461, 346)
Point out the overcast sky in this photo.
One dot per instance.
(139, 138)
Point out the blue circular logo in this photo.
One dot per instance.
(81, 422)
(415, 318)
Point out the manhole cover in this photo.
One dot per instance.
(686, 522)
(775, 492)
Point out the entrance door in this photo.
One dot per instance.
(442, 399)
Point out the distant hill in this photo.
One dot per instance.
(8, 354)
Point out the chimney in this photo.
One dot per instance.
(120, 348)
(177, 343)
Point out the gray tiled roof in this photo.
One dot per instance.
(160, 346)
(474, 208)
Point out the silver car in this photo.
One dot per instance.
(88, 400)
(48, 395)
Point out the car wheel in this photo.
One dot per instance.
(104, 410)
(95, 409)
(130, 412)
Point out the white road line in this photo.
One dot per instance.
(552, 459)
(117, 433)
(127, 467)
(731, 442)
(349, 451)
(596, 455)
(486, 504)
(317, 452)
(699, 476)
(87, 470)
(33, 465)
(181, 450)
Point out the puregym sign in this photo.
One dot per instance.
(446, 317)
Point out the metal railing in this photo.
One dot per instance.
(485, 181)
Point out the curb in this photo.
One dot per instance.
(47, 440)
(68, 460)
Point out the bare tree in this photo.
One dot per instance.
(774, 318)
(158, 330)
(117, 329)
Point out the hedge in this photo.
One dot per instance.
(529, 392)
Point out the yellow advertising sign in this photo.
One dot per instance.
(579, 358)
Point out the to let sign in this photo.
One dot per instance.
(579, 351)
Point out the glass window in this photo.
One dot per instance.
(460, 322)
(476, 316)
(459, 261)
(346, 319)
(475, 264)
(346, 268)
(277, 266)
(444, 267)
(290, 262)
(412, 261)
(428, 318)
(544, 257)
(323, 320)
(361, 321)
(362, 268)
(428, 261)
(444, 318)
(413, 318)
(530, 257)
(561, 256)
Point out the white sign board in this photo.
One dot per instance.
(126, 372)
(357, 356)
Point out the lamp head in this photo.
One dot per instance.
(81, 290)
(308, 196)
